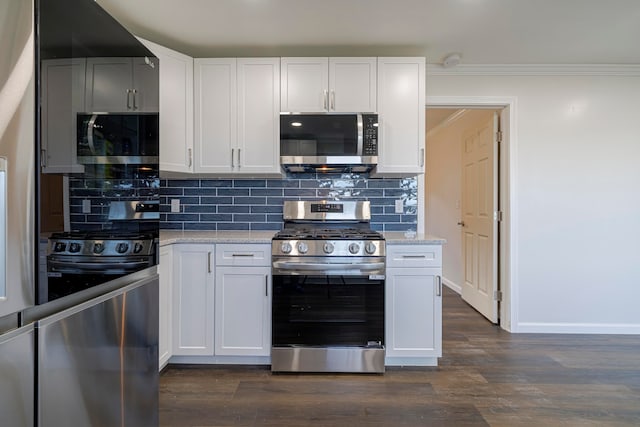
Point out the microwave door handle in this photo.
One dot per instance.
(90, 127)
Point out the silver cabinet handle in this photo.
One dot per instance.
(325, 100)
(413, 256)
(190, 153)
(209, 261)
(239, 164)
(128, 99)
(135, 104)
(243, 255)
(422, 157)
(232, 164)
(43, 157)
(438, 286)
(266, 285)
(333, 99)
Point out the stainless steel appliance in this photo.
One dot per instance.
(328, 142)
(80, 260)
(105, 138)
(98, 358)
(328, 271)
(17, 156)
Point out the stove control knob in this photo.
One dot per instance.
(137, 248)
(74, 247)
(303, 248)
(354, 248)
(59, 247)
(370, 248)
(122, 248)
(98, 248)
(328, 248)
(286, 248)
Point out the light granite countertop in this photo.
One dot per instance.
(399, 238)
(168, 237)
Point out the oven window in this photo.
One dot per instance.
(319, 135)
(327, 310)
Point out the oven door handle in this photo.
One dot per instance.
(93, 267)
(314, 266)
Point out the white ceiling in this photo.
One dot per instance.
(482, 31)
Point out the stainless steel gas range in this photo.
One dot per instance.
(328, 270)
(79, 260)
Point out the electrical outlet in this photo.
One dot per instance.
(86, 206)
(175, 205)
(399, 206)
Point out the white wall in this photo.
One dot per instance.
(577, 196)
(443, 189)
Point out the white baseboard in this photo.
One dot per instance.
(577, 328)
(449, 284)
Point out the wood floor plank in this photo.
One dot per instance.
(485, 377)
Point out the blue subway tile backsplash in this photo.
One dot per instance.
(256, 204)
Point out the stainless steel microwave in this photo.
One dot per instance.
(107, 138)
(328, 142)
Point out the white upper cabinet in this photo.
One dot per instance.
(63, 82)
(176, 108)
(352, 85)
(258, 115)
(328, 84)
(121, 85)
(215, 114)
(401, 109)
(237, 130)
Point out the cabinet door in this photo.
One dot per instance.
(63, 84)
(145, 85)
(401, 108)
(109, 84)
(258, 115)
(304, 85)
(176, 109)
(215, 115)
(243, 311)
(165, 268)
(413, 312)
(193, 300)
(352, 85)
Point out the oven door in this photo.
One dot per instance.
(319, 310)
(67, 275)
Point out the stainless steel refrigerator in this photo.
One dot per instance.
(17, 219)
(17, 151)
(90, 358)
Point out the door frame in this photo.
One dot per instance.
(507, 177)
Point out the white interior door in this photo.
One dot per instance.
(479, 228)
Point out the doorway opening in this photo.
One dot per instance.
(456, 199)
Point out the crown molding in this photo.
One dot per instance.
(632, 70)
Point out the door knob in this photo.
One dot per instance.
(461, 223)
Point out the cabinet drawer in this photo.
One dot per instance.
(237, 254)
(414, 256)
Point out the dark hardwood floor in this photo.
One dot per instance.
(486, 377)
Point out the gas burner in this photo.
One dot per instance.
(323, 229)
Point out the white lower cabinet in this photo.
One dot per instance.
(243, 300)
(193, 300)
(221, 302)
(165, 268)
(413, 317)
(243, 311)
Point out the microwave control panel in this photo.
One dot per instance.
(370, 135)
